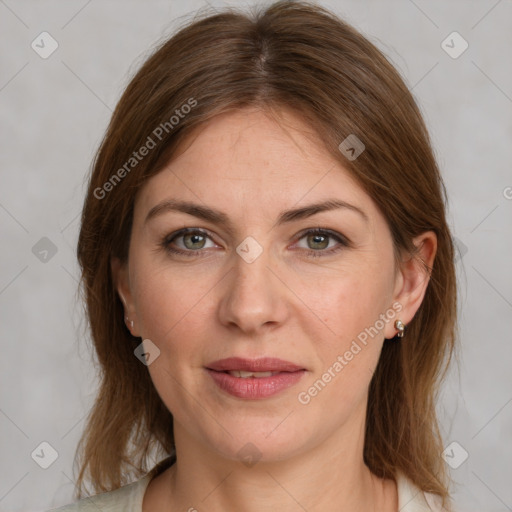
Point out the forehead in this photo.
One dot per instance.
(250, 158)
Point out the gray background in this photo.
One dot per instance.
(53, 114)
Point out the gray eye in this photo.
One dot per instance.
(194, 240)
(318, 241)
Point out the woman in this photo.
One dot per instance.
(269, 278)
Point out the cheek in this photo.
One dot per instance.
(170, 304)
(352, 308)
(348, 302)
(171, 313)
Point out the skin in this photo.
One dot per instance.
(285, 304)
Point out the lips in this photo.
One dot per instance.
(245, 375)
(254, 378)
(263, 364)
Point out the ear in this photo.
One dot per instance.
(121, 280)
(412, 279)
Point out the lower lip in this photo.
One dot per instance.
(253, 388)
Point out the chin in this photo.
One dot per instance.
(260, 440)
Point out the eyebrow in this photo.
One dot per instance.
(220, 218)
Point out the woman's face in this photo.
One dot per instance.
(260, 273)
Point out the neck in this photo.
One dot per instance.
(331, 476)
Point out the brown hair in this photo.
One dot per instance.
(293, 55)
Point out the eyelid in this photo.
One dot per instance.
(324, 231)
(342, 240)
(187, 231)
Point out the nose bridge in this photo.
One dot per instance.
(252, 296)
(250, 261)
(251, 268)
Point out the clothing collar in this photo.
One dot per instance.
(413, 499)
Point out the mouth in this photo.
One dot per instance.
(260, 365)
(254, 378)
(242, 374)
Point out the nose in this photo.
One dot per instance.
(253, 296)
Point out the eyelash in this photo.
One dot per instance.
(343, 242)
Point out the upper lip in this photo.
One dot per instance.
(262, 364)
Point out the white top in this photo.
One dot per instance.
(129, 499)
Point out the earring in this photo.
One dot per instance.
(401, 328)
(126, 319)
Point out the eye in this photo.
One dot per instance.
(319, 242)
(190, 242)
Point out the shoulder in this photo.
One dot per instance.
(413, 499)
(125, 499)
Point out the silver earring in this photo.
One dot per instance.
(126, 319)
(401, 328)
